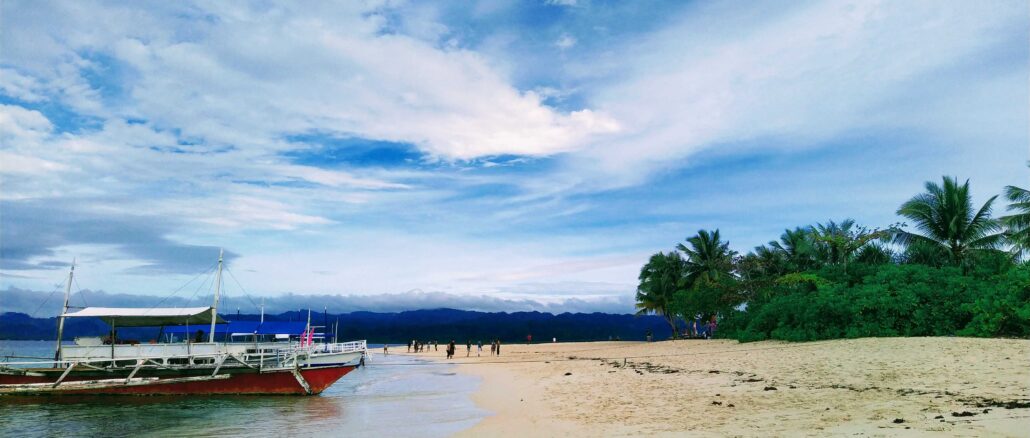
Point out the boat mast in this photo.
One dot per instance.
(64, 309)
(262, 310)
(218, 290)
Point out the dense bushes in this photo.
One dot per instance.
(891, 300)
(955, 272)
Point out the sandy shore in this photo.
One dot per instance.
(865, 387)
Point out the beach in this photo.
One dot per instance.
(866, 387)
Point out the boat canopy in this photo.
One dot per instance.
(245, 328)
(152, 317)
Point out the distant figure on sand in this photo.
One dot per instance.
(479, 351)
(498, 347)
(493, 347)
(529, 338)
(436, 345)
(468, 348)
(409, 346)
(386, 350)
(450, 349)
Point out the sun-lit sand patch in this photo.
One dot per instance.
(874, 386)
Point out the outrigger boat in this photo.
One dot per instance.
(254, 364)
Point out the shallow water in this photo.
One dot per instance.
(391, 396)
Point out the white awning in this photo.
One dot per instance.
(153, 317)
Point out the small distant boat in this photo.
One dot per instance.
(261, 358)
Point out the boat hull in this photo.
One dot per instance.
(175, 382)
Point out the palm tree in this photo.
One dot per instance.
(834, 239)
(1018, 223)
(796, 247)
(838, 243)
(772, 263)
(709, 259)
(660, 279)
(874, 254)
(945, 217)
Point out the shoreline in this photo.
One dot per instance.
(870, 386)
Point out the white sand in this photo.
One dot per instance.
(843, 387)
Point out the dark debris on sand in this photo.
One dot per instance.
(1006, 404)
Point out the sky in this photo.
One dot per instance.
(476, 154)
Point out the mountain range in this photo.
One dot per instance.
(442, 325)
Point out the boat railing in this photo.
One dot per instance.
(186, 355)
(290, 355)
(340, 347)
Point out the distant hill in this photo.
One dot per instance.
(437, 324)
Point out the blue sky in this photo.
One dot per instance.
(535, 152)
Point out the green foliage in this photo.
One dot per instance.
(1017, 223)
(893, 300)
(709, 259)
(953, 275)
(945, 218)
(660, 279)
(1001, 308)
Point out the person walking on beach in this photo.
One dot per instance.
(493, 347)
(498, 347)
(529, 338)
(386, 350)
(436, 345)
(468, 347)
(409, 346)
(450, 349)
(479, 351)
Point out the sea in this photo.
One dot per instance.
(394, 395)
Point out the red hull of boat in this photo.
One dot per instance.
(277, 382)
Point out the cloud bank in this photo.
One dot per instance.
(495, 150)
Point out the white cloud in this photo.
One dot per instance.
(565, 42)
(563, 2)
(19, 86)
(20, 127)
(191, 108)
(244, 76)
(799, 76)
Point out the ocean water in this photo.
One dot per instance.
(392, 396)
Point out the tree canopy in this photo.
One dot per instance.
(954, 273)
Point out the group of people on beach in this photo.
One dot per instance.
(417, 346)
(701, 328)
(495, 348)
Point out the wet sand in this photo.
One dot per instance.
(863, 387)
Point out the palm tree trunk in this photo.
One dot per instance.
(672, 324)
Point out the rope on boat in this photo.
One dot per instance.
(233, 277)
(206, 271)
(48, 297)
(80, 292)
